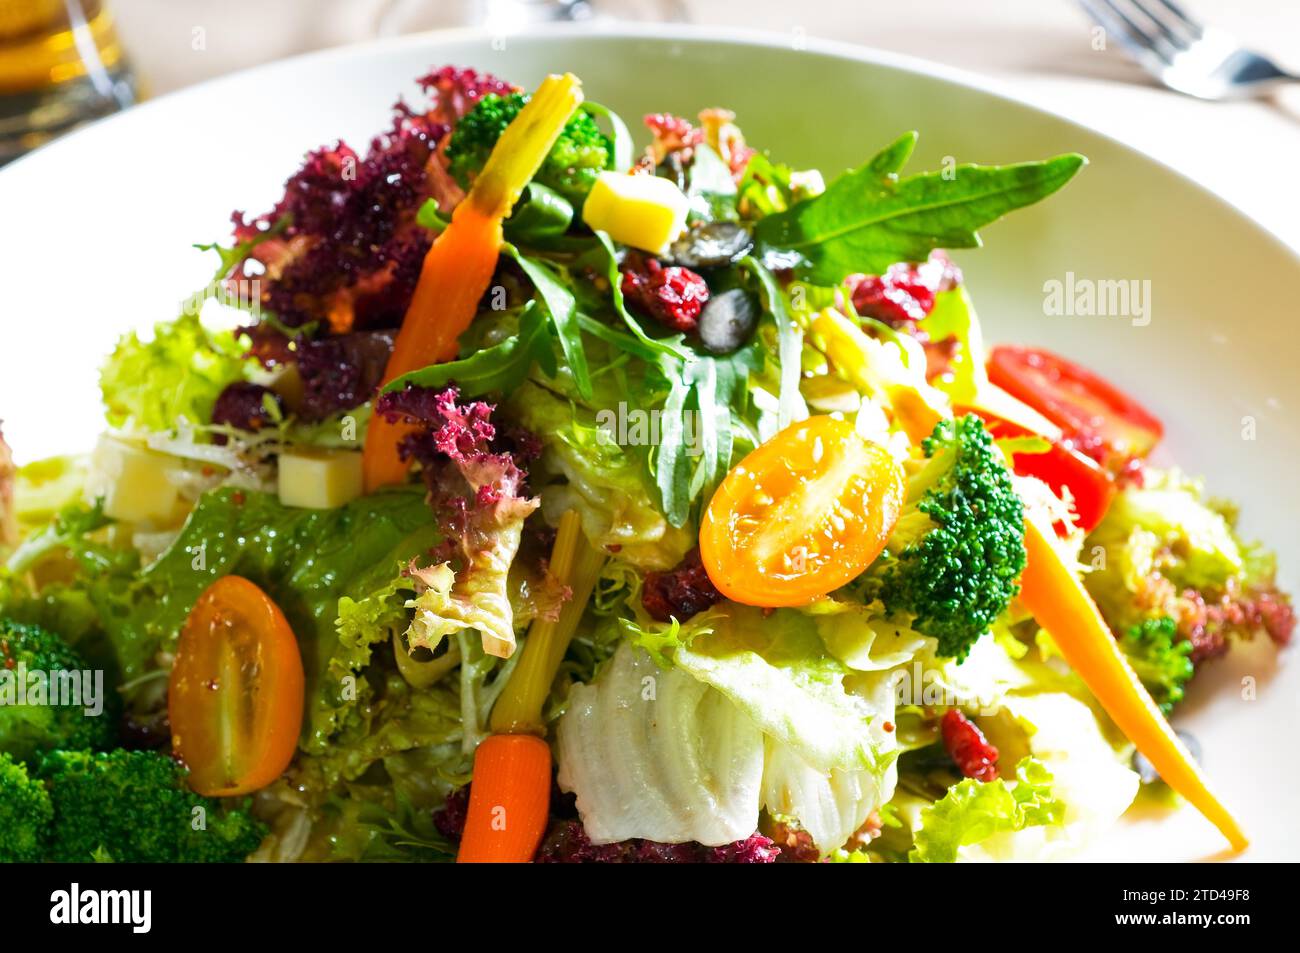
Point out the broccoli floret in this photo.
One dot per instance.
(42, 705)
(578, 156)
(1161, 659)
(135, 807)
(958, 547)
(25, 813)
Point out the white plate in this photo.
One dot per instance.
(95, 234)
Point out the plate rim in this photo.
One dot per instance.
(997, 88)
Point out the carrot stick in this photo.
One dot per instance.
(459, 264)
(509, 801)
(456, 272)
(1053, 592)
(510, 797)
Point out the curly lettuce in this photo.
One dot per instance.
(477, 485)
(973, 812)
(1164, 550)
(175, 375)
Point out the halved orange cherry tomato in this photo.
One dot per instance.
(801, 515)
(1101, 420)
(236, 692)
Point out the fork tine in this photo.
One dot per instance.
(1193, 27)
(1119, 26)
(1149, 41)
(1150, 10)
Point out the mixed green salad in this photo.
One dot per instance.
(510, 494)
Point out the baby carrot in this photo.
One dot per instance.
(459, 264)
(509, 801)
(1053, 592)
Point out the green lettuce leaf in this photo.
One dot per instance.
(1170, 514)
(776, 670)
(370, 794)
(973, 811)
(176, 375)
(306, 560)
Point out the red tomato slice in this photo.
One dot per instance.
(801, 515)
(1104, 422)
(236, 691)
(1062, 468)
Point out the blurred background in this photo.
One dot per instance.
(67, 61)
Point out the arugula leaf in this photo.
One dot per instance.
(496, 369)
(867, 221)
(620, 138)
(613, 336)
(672, 464)
(789, 338)
(891, 159)
(562, 308)
(707, 389)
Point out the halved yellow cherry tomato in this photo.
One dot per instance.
(236, 691)
(801, 515)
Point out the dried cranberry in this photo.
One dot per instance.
(679, 593)
(242, 405)
(450, 818)
(904, 294)
(974, 756)
(896, 297)
(673, 296)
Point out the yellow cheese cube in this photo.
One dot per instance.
(643, 211)
(135, 482)
(320, 479)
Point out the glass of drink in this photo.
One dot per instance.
(60, 65)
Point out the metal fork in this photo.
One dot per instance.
(1184, 55)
